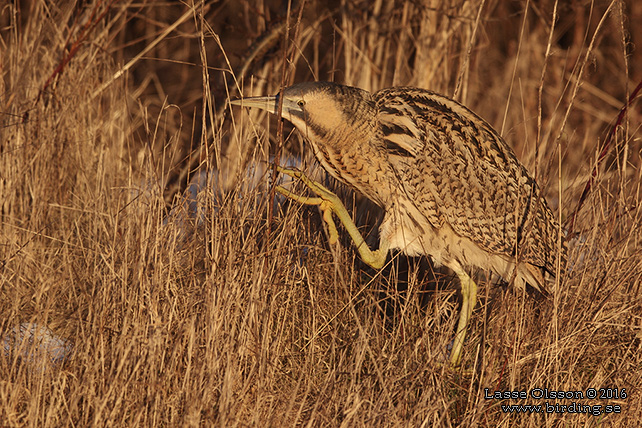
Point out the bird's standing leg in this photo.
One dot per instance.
(330, 203)
(469, 299)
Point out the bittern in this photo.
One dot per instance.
(449, 185)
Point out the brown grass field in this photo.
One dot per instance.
(244, 315)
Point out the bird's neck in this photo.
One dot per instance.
(354, 160)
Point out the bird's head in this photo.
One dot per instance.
(324, 112)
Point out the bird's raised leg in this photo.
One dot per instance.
(330, 203)
(468, 301)
(323, 205)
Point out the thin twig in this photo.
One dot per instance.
(84, 32)
(188, 14)
(279, 131)
(603, 153)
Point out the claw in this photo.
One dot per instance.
(330, 203)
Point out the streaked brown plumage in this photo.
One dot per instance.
(450, 186)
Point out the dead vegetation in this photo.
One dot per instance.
(211, 311)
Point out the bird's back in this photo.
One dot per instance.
(456, 169)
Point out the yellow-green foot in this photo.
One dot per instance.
(468, 301)
(330, 203)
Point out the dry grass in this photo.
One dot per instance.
(176, 320)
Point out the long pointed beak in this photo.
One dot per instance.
(269, 104)
(290, 111)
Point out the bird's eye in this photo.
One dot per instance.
(300, 103)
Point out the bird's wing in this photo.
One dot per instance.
(458, 170)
